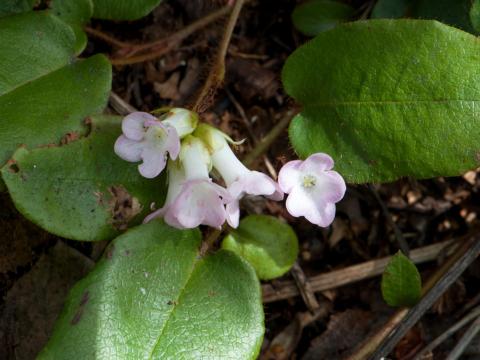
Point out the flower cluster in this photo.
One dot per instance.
(190, 151)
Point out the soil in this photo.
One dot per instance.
(35, 277)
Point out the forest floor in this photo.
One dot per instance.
(338, 309)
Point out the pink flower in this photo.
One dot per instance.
(192, 198)
(239, 179)
(313, 188)
(147, 139)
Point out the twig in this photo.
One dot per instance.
(165, 44)
(462, 344)
(435, 286)
(107, 38)
(217, 71)
(475, 313)
(120, 105)
(351, 274)
(402, 243)
(304, 287)
(268, 140)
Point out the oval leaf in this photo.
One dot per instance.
(10, 7)
(452, 12)
(475, 15)
(316, 16)
(268, 244)
(81, 190)
(44, 94)
(391, 9)
(152, 297)
(123, 9)
(401, 282)
(75, 13)
(392, 98)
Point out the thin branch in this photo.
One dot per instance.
(120, 105)
(304, 287)
(475, 313)
(162, 46)
(351, 274)
(217, 71)
(466, 339)
(107, 38)
(263, 145)
(433, 289)
(402, 243)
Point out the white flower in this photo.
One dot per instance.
(148, 139)
(238, 178)
(313, 188)
(193, 199)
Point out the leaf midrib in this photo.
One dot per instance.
(176, 302)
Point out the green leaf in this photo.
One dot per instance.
(391, 9)
(10, 7)
(268, 244)
(82, 190)
(393, 98)
(152, 296)
(451, 12)
(44, 92)
(475, 15)
(123, 9)
(75, 13)
(401, 282)
(316, 16)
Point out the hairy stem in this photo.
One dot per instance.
(217, 71)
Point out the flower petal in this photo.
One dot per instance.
(299, 203)
(200, 202)
(172, 144)
(133, 125)
(233, 213)
(154, 161)
(330, 187)
(129, 150)
(289, 174)
(317, 163)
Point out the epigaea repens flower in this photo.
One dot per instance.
(313, 188)
(239, 180)
(148, 139)
(193, 199)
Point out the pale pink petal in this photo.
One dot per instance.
(154, 161)
(129, 150)
(233, 213)
(172, 144)
(133, 125)
(289, 174)
(330, 187)
(255, 183)
(277, 195)
(200, 202)
(316, 163)
(300, 203)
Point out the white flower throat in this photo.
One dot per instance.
(309, 181)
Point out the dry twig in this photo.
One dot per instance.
(350, 274)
